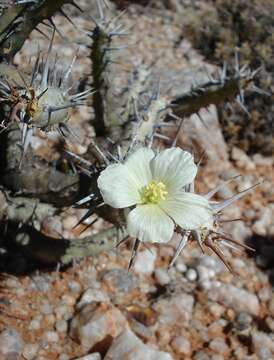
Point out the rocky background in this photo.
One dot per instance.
(96, 309)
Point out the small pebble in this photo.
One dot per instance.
(74, 286)
(145, 262)
(10, 343)
(191, 274)
(146, 288)
(270, 323)
(51, 336)
(230, 296)
(46, 309)
(264, 294)
(41, 283)
(243, 321)
(63, 312)
(177, 308)
(92, 295)
(244, 183)
(243, 161)
(141, 330)
(238, 263)
(120, 280)
(64, 357)
(217, 357)
(271, 306)
(205, 285)
(216, 310)
(249, 214)
(94, 323)
(263, 345)
(68, 300)
(34, 324)
(162, 277)
(240, 231)
(181, 345)
(30, 351)
(260, 226)
(211, 262)
(181, 267)
(128, 346)
(204, 273)
(61, 326)
(219, 345)
(94, 356)
(225, 192)
(201, 355)
(260, 160)
(49, 319)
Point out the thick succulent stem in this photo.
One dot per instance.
(22, 210)
(48, 250)
(107, 105)
(212, 92)
(35, 244)
(35, 178)
(18, 21)
(100, 81)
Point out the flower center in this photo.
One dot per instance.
(154, 192)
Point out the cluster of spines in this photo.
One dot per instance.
(22, 16)
(45, 78)
(214, 238)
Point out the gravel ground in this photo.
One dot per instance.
(198, 310)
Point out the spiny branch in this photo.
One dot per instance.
(18, 21)
(107, 107)
(212, 92)
(48, 250)
(15, 211)
(22, 210)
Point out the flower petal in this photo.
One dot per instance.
(138, 164)
(118, 186)
(150, 224)
(174, 167)
(189, 211)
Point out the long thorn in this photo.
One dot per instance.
(220, 186)
(134, 253)
(179, 249)
(209, 243)
(221, 206)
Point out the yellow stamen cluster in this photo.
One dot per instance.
(154, 192)
(203, 233)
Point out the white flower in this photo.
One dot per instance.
(155, 184)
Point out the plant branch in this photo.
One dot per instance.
(48, 250)
(212, 92)
(18, 21)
